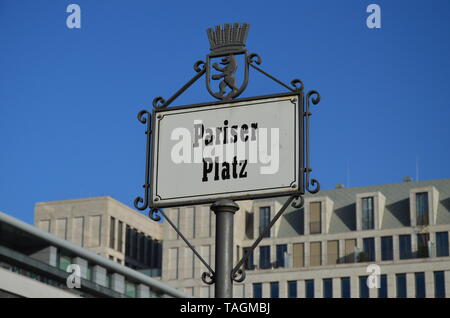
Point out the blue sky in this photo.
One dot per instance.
(69, 97)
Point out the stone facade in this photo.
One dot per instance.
(105, 226)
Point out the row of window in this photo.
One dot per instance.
(368, 214)
(425, 248)
(363, 286)
(140, 250)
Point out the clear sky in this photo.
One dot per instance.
(69, 97)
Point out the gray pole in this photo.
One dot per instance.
(224, 210)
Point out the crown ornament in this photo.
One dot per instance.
(228, 38)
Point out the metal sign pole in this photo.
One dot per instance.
(224, 210)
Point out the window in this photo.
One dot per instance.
(387, 253)
(405, 246)
(333, 252)
(363, 288)
(128, 241)
(350, 246)
(264, 219)
(441, 244)
(309, 288)
(439, 284)
(367, 214)
(327, 288)
(401, 285)
(249, 225)
(112, 234)
(264, 257)
(345, 287)
(315, 251)
(281, 251)
(249, 265)
(130, 289)
(257, 290)
(135, 244)
(274, 290)
(292, 289)
(298, 254)
(64, 262)
(420, 285)
(142, 247)
(119, 237)
(369, 250)
(383, 290)
(422, 217)
(315, 220)
(422, 245)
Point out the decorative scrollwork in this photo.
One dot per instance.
(158, 102)
(144, 117)
(316, 99)
(208, 278)
(298, 203)
(239, 276)
(199, 66)
(140, 200)
(154, 215)
(313, 183)
(297, 84)
(254, 58)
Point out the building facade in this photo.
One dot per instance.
(37, 264)
(108, 228)
(395, 235)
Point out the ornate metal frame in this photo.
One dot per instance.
(296, 200)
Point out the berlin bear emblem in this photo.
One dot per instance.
(227, 43)
(228, 71)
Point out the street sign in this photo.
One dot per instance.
(239, 149)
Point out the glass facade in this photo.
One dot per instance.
(249, 263)
(441, 244)
(130, 289)
(439, 284)
(292, 289)
(401, 285)
(383, 290)
(257, 290)
(274, 290)
(422, 245)
(422, 213)
(405, 246)
(363, 288)
(309, 288)
(420, 284)
(264, 257)
(328, 288)
(281, 251)
(369, 250)
(345, 287)
(264, 219)
(368, 222)
(387, 250)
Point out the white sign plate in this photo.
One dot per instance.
(238, 150)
